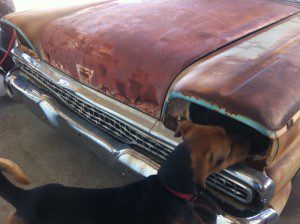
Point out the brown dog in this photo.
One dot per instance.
(212, 149)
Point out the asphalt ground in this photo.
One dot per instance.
(49, 156)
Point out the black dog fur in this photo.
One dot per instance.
(144, 202)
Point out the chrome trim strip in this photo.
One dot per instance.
(207, 207)
(155, 129)
(267, 216)
(48, 109)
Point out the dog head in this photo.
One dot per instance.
(211, 149)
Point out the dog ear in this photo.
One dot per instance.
(182, 128)
(201, 171)
(200, 164)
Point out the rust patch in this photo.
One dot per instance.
(85, 74)
(27, 50)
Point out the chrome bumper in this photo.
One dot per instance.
(20, 88)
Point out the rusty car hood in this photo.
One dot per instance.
(134, 50)
(256, 80)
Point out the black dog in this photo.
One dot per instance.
(166, 198)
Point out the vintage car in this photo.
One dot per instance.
(124, 73)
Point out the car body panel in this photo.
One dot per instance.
(287, 161)
(284, 166)
(39, 19)
(134, 55)
(255, 81)
(279, 201)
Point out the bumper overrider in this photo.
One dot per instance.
(236, 195)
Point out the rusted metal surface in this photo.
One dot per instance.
(287, 160)
(282, 164)
(279, 201)
(133, 51)
(285, 165)
(33, 22)
(257, 79)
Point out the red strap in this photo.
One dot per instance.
(188, 197)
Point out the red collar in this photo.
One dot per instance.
(188, 197)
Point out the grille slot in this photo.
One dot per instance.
(229, 187)
(130, 135)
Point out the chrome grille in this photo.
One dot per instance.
(102, 119)
(127, 133)
(230, 187)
